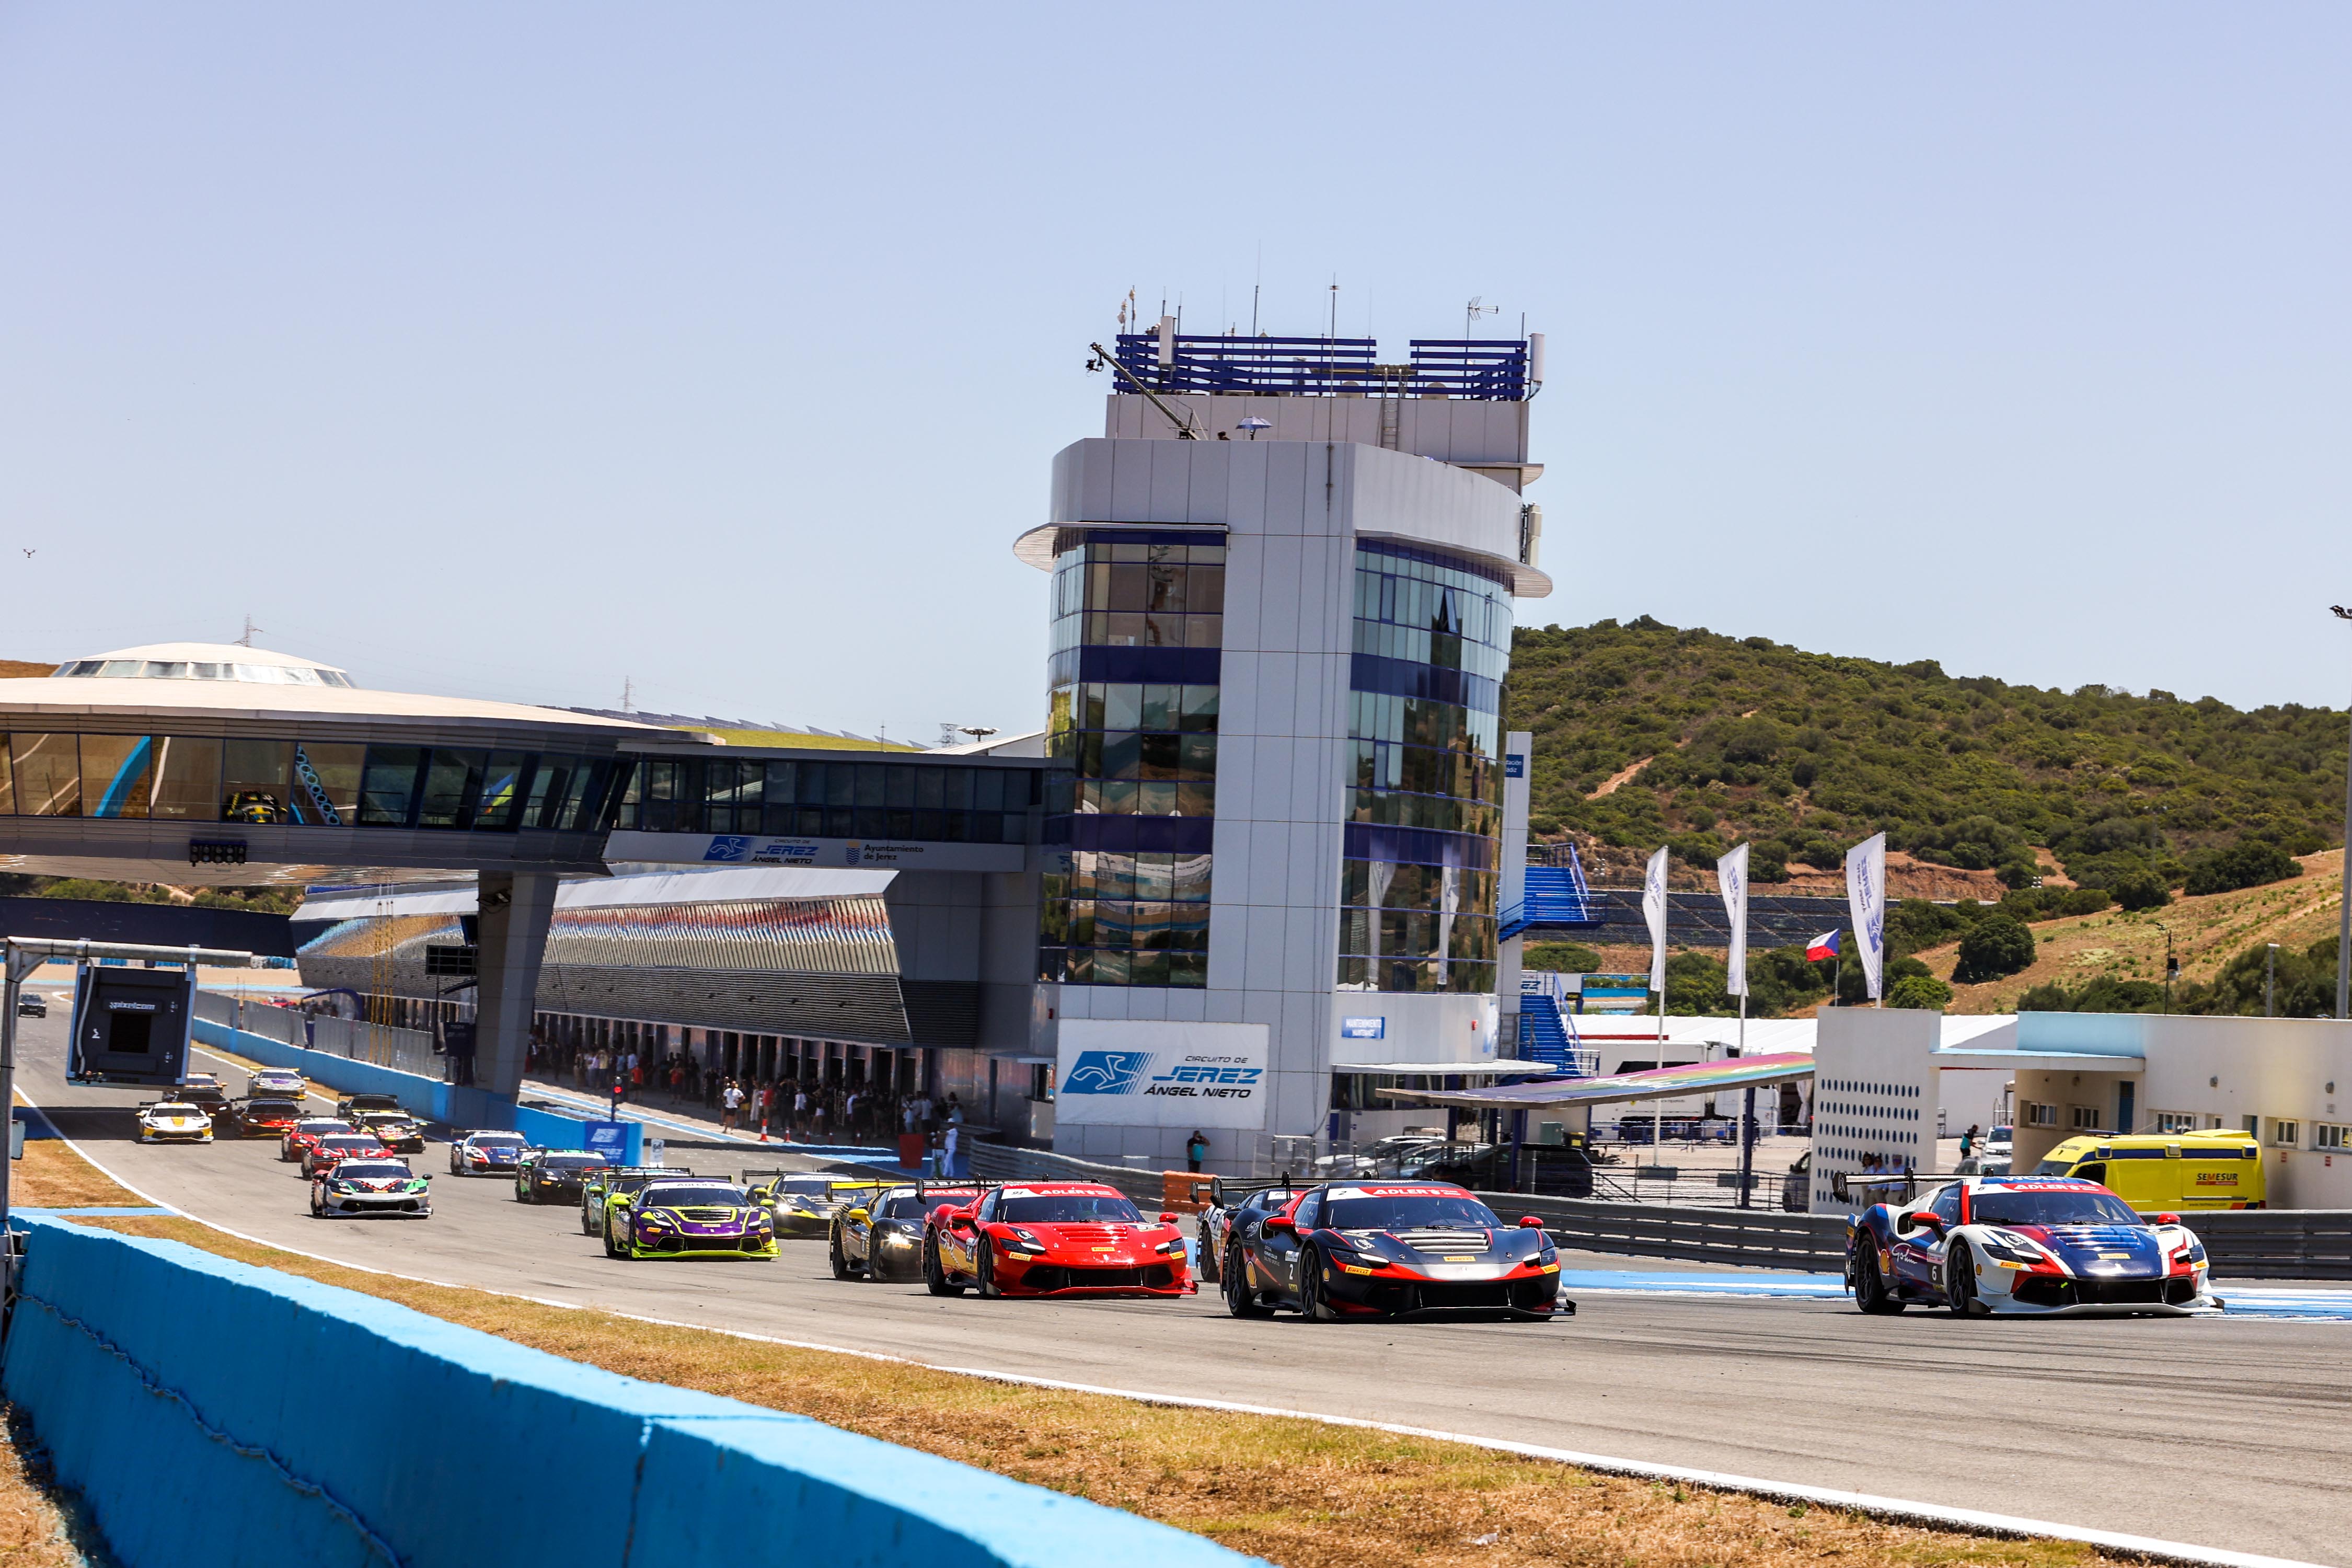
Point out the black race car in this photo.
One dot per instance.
(882, 1237)
(1393, 1248)
(554, 1175)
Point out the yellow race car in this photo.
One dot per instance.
(803, 1203)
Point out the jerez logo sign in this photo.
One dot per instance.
(1160, 1074)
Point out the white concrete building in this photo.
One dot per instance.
(1877, 1071)
(1281, 623)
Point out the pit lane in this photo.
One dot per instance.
(2225, 1432)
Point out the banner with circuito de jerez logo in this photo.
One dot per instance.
(1141, 1073)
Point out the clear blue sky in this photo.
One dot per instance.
(519, 350)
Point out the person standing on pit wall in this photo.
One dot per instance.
(800, 1109)
(730, 1104)
(1196, 1149)
(1968, 1140)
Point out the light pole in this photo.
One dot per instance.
(2270, 982)
(2171, 968)
(2343, 894)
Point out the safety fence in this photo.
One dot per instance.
(191, 1457)
(403, 1050)
(429, 1097)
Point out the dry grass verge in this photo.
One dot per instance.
(32, 1529)
(1300, 1493)
(52, 1176)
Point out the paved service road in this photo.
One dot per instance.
(2221, 1433)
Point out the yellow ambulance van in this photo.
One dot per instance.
(2159, 1172)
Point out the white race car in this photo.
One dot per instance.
(169, 1121)
(2030, 1246)
(371, 1186)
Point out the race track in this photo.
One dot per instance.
(2225, 1433)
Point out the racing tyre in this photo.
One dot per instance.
(1311, 1304)
(610, 1250)
(935, 1279)
(1240, 1301)
(1960, 1283)
(840, 1259)
(1212, 1271)
(1869, 1290)
(988, 1289)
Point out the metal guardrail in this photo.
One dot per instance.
(2275, 1244)
(1754, 1238)
(2250, 1244)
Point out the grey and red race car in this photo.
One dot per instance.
(2031, 1246)
(1391, 1249)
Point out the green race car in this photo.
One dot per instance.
(601, 1192)
(690, 1217)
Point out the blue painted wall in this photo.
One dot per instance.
(471, 1450)
(446, 1103)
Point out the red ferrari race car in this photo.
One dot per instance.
(334, 1148)
(303, 1136)
(1374, 1248)
(1054, 1239)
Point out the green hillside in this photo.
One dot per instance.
(1806, 753)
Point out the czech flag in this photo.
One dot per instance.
(1822, 946)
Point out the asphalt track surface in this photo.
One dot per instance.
(2221, 1433)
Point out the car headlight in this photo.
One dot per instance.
(1172, 1244)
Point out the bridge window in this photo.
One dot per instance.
(48, 774)
(388, 788)
(117, 768)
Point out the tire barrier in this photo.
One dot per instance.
(180, 1394)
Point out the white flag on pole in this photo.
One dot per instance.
(1654, 911)
(1865, 896)
(1731, 876)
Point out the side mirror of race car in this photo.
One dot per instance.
(857, 1216)
(2167, 1218)
(1279, 1222)
(1923, 1219)
(1168, 1219)
(1530, 1222)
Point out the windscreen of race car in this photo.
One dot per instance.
(2009, 1205)
(1353, 1208)
(679, 1195)
(1068, 1208)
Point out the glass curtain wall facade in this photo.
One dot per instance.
(832, 800)
(1432, 638)
(1131, 793)
(198, 778)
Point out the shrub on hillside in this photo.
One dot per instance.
(2141, 890)
(1922, 992)
(1995, 946)
(2306, 983)
(2241, 865)
(1564, 957)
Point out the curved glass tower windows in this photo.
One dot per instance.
(1417, 886)
(1138, 618)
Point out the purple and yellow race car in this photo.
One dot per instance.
(2025, 1245)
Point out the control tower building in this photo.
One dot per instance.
(1281, 619)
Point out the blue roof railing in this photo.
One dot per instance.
(1481, 370)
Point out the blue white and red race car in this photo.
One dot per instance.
(2031, 1246)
